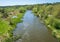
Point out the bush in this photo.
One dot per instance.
(56, 24)
(4, 27)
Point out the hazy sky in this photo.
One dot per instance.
(23, 2)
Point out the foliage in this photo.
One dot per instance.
(22, 9)
(50, 14)
(4, 27)
(16, 20)
(9, 17)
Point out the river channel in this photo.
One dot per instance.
(32, 30)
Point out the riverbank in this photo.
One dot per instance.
(8, 19)
(9, 26)
(55, 33)
(49, 14)
(14, 22)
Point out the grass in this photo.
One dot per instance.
(7, 26)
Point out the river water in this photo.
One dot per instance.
(32, 30)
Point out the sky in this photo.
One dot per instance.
(24, 2)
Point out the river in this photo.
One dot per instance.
(32, 30)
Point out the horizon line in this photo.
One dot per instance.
(29, 4)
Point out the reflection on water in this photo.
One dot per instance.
(32, 30)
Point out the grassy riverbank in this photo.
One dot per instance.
(9, 17)
(50, 15)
